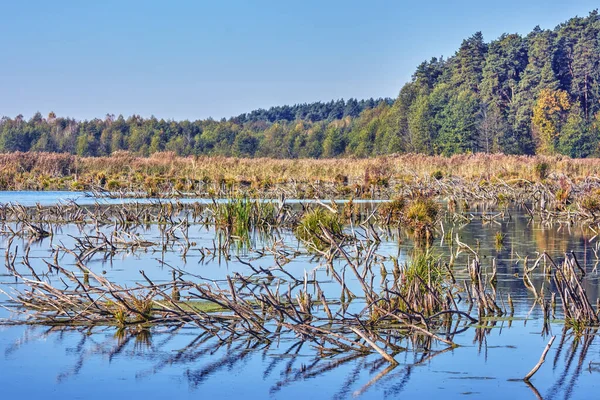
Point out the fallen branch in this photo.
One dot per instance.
(541, 361)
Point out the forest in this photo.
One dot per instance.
(533, 94)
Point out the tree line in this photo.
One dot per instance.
(260, 132)
(533, 94)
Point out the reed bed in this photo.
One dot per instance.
(166, 175)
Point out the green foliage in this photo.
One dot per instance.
(392, 212)
(240, 215)
(421, 215)
(310, 228)
(422, 282)
(591, 202)
(542, 169)
(245, 145)
(437, 175)
(517, 95)
(499, 239)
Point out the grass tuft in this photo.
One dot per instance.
(310, 228)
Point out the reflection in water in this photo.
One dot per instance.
(180, 358)
(288, 364)
(576, 349)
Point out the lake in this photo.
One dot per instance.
(183, 362)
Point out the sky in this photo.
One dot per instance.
(196, 59)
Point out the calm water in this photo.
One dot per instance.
(99, 362)
(49, 198)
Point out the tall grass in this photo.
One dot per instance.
(240, 215)
(419, 215)
(310, 228)
(167, 171)
(422, 283)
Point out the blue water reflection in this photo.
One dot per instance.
(181, 362)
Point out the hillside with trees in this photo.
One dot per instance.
(533, 94)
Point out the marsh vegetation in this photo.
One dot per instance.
(337, 281)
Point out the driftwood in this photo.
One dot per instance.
(264, 305)
(541, 361)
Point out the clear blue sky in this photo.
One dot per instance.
(199, 58)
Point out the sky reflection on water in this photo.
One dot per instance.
(159, 362)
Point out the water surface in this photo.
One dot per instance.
(81, 362)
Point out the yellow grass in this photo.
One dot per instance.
(39, 171)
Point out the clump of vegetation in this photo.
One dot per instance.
(502, 200)
(421, 216)
(101, 178)
(138, 310)
(393, 211)
(542, 170)
(377, 175)
(591, 202)
(437, 175)
(422, 283)
(113, 185)
(77, 186)
(310, 228)
(499, 239)
(143, 305)
(241, 215)
(563, 193)
(341, 179)
(350, 211)
(179, 186)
